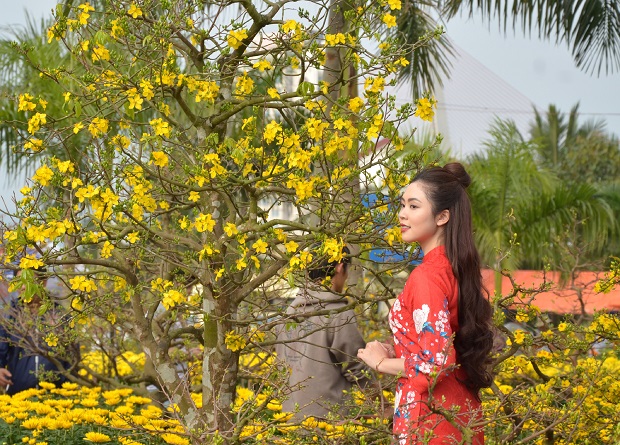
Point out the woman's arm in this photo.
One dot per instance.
(380, 357)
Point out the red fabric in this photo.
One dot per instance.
(423, 320)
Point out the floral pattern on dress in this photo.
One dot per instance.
(423, 320)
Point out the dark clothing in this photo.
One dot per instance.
(25, 366)
(321, 353)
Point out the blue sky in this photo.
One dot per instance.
(543, 72)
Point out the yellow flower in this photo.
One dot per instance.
(241, 264)
(316, 127)
(77, 127)
(260, 246)
(272, 129)
(290, 25)
(85, 8)
(424, 109)
(97, 127)
(30, 262)
(374, 85)
(335, 39)
(273, 93)
(171, 298)
(394, 4)
(100, 53)
(51, 339)
(234, 342)
(25, 103)
(92, 436)
(161, 127)
(235, 37)
(193, 196)
(135, 101)
(160, 158)
(205, 223)
(230, 229)
(389, 20)
(333, 248)
(81, 283)
(356, 104)
(136, 12)
(562, 327)
(262, 65)
(174, 439)
(35, 122)
(43, 175)
(133, 237)
(245, 85)
(291, 246)
(519, 336)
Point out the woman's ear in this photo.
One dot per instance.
(443, 217)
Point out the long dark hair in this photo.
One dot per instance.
(445, 189)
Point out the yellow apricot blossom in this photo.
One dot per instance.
(134, 11)
(389, 20)
(272, 129)
(82, 283)
(30, 262)
(245, 85)
(100, 52)
(51, 339)
(273, 93)
(204, 223)
(230, 229)
(333, 248)
(161, 127)
(235, 38)
(98, 126)
(290, 25)
(234, 341)
(335, 39)
(106, 250)
(356, 104)
(424, 109)
(43, 175)
(172, 298)
(260, 246)
(25, 102)
(263, 65)
(36, 121)
(160, 158)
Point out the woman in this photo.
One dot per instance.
(441, 322)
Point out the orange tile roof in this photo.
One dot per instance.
(557, 298)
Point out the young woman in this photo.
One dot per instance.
(441, 322)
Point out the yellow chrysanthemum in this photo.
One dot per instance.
(95, 437)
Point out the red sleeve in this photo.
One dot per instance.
(426, 339)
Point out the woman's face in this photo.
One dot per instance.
(417, 222)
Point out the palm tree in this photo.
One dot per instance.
(520, 206)
(16, 74)
(590, 28)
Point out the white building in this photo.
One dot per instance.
(468, 103)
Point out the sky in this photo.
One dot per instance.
(541, 71)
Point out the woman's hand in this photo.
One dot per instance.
(390, 349)
(374, 353)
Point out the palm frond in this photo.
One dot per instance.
(595, 36)
(543, 221)
(590, 28)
